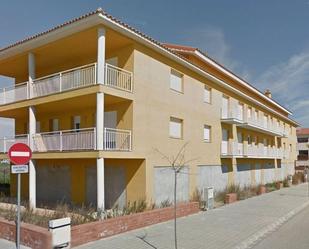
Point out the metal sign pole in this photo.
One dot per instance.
(19, 154)
(18, 213)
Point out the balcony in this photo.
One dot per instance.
(234, 116)
(238, 150)
(73, 140)
(263, 126)
(303, 146)
(7, 142)
(115, 77)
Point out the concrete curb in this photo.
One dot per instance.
(258, 236)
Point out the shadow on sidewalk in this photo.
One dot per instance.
(143, 238)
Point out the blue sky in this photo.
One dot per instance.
(266, 41)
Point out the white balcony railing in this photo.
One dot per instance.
(68, 140)
(7, 142)
(67, 80)
(115, 139)
(82, 139)
(14, 93)
(236, 149)
(118, 78)
(264, 125)
(231, 113)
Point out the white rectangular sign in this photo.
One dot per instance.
(210, 193)
(19, 169)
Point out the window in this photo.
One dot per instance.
(207, 94)
(240, 115)
(256, 115)
(290, 147)
(176, 127)
(54, 124)
(302, 140)
(249, 139)
(206, 133)
(176, 81)
(76, 122)
(249, 112)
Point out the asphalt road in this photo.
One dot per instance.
(292, 235)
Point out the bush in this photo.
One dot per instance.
(270, 186)
(298, 177)
(166, 203)
(286, 183)
(197, 197)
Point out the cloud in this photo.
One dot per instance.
(289, 83)
(212, 40)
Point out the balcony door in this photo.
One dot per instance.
(110, 119)
(224, 144)
(110, 124)
(265, 142)
(225, 107)
(240, 145)
(265, 121)
(240, 112)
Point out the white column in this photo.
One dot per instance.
(101, 56)
(32, 184)
(100, 184)
(32, 130)
(100, 121)
(32, 125)
(31, 72)
(32, 173)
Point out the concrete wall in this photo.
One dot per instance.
(164, 184)
(243, 175)
(212, 176)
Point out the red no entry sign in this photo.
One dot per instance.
(20, 153)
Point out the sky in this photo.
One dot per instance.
(266, 42)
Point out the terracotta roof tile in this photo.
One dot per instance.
(302, 131)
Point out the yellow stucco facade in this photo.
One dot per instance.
(145, 111)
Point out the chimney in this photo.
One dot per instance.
(268, 93)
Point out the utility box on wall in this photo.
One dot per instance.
(61, 232)
(208, 195)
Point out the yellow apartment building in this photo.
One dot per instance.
(94, 98)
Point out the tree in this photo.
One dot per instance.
(177, 163)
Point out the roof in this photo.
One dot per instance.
(302, 131)
(192, 50)
(123, 26)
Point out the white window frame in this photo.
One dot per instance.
(207, 94)
(174, 125)
(205, 128)
(175, 75)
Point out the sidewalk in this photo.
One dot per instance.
(5, 244)
(237, 225)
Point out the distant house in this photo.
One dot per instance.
(302, 148)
